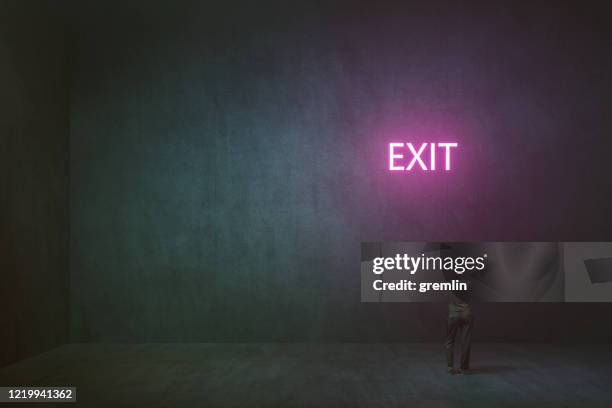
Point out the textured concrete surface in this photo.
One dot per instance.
(311, 375)
(228, 159)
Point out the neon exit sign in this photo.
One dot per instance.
(404, 156)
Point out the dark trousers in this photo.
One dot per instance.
(459, 325)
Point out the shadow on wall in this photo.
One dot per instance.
(34, 166)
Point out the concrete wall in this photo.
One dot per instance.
(227, 161)
(34, 175)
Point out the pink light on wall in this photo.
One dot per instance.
(400, 152)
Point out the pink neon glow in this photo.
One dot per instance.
(416, 156)
(432, 156)
(395, 157)
(447, 147)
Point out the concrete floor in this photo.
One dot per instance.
(297, 374)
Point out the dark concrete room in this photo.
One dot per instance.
(195, 195)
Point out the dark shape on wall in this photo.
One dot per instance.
(600, 270)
